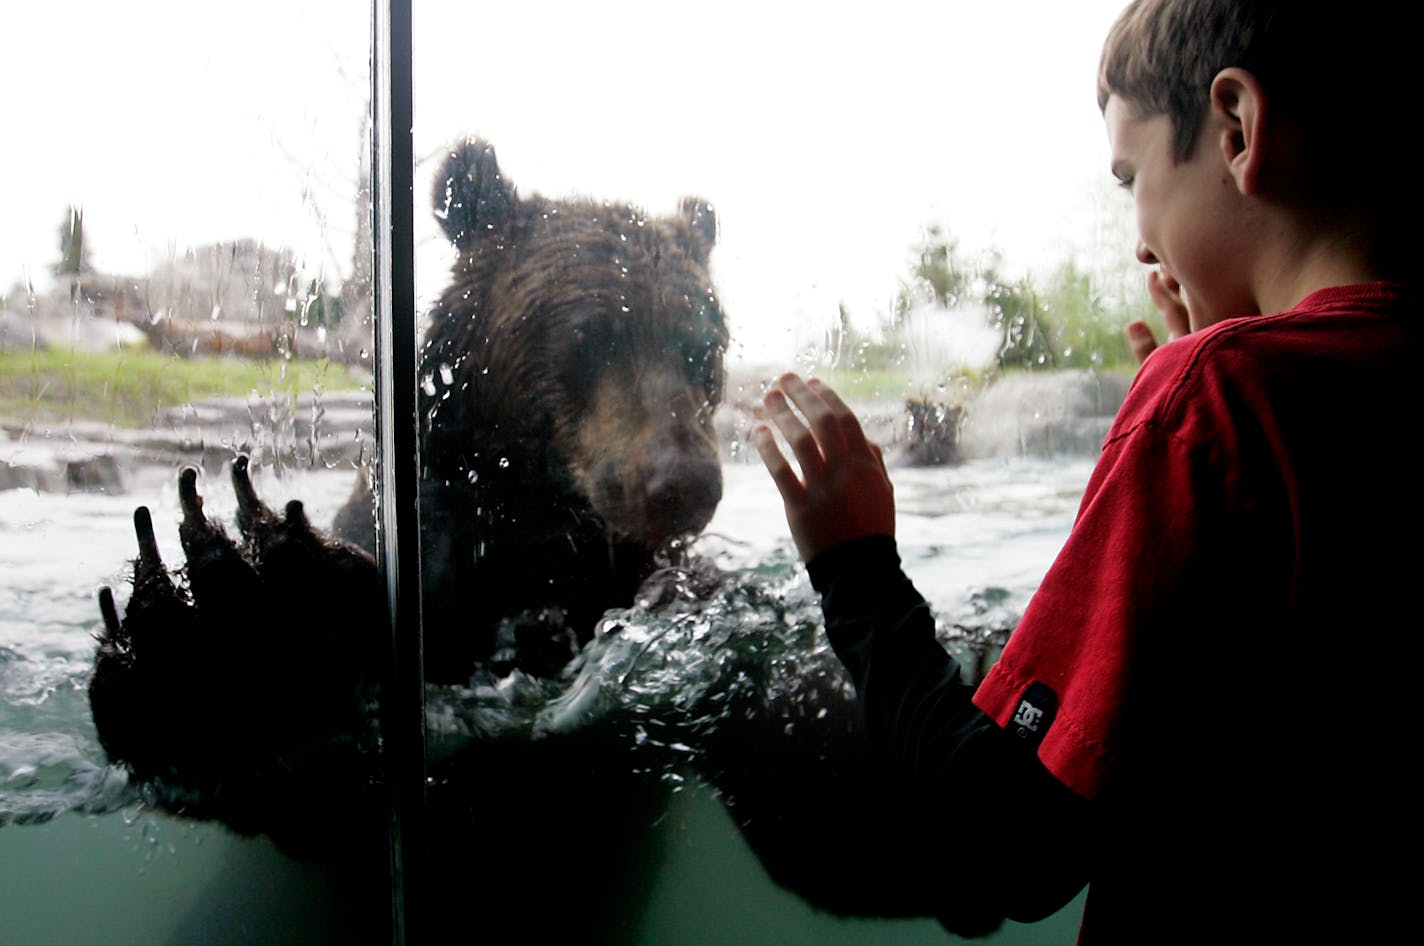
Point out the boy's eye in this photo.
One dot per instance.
(1125, 182)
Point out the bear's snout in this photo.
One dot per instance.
(651, 489)
(647, 455)
(680, 493)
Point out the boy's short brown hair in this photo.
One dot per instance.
(1161, 56)
(1343, 77)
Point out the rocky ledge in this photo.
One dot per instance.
(69, 456)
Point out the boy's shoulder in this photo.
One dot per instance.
(1335, 339)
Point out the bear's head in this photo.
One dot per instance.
(585, 339)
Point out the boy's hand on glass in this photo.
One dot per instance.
(843, 491)
(1166, 294)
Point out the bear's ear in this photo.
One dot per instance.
(703, 221)
(471, 197)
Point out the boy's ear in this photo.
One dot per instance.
(1238, 112)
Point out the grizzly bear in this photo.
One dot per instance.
(569, 376)
(568, 383)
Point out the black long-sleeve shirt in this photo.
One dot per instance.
(1023, 836)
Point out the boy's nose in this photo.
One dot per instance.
(1144, 255)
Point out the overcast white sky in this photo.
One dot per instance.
(828, 136)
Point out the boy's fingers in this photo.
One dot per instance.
(848, 423)
(802, 440)
(1141, 340)
(1166, 294)
(818, 411)
(785, 478)
(826, 393)
(1178, 321)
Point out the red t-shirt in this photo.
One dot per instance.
(1221, 656)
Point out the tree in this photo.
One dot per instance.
(943, 279)
(1073, 318)
(1089, 320)
(1017, 311)
(73, 260)
(940, 276)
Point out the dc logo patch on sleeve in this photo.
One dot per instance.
(1035, 713)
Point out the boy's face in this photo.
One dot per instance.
(1188, 213)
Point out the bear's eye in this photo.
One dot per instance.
(578, 347)
(580, 329)
(591, 337)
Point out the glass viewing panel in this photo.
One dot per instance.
(630, 218)
(185, 279)
(639, 214)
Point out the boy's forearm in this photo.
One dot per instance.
(883, 631)
(921, 719)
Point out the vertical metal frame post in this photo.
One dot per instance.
(397, 469)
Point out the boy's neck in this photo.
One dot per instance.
(1306, 259)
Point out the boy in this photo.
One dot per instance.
(1206, 711)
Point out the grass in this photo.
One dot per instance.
(129, 388)
(892, 384)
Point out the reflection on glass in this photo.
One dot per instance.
(184, 280)
(631, 699)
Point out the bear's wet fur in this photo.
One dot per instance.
(568, 383)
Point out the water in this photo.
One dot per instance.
(976, 538)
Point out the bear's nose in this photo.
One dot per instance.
(680, 493)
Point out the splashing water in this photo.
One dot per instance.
(699, 644)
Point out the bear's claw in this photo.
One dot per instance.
(110, 613)
(252, 513)
(148, 557)
(250, 680)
